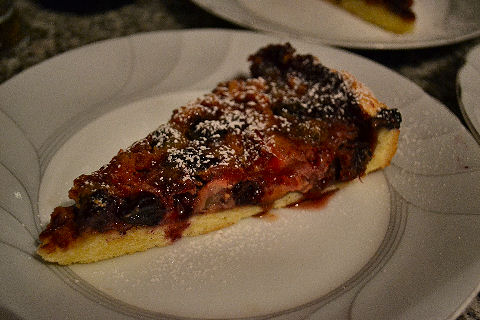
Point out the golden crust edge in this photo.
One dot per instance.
(387, 139)
(100, 246)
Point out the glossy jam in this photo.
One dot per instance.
(318, 202)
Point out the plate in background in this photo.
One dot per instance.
(439, 22)
(468, 93)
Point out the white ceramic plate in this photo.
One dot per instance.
(402, 243)
(468, 91)
(439, 22)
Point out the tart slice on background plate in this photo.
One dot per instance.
(392, 15)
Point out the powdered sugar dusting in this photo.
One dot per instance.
(166, 132)
(237, 109)
(244, 109)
